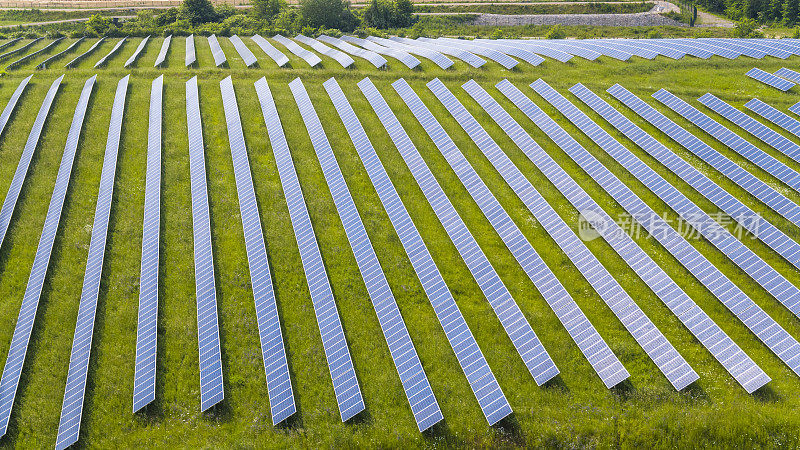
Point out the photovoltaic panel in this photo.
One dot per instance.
(769, 79)
(759, 322)
(689, 47)
(603, 50)
(650, 338)
(210, 359)
(415, 383)
(10, 106)
(668, 360)
(191, 56)
(137, 52)
(400, 55)
(83, 55)
(699, 45)
(537, 48)
(144, 380)
(72, 408)
(480, 377)
(620, 45)
(276, 55)
(304, 54)
(9, 43)
(517, 52)
(789, 74)
(742, 49)
(337, 353)
(216, 51)
(30, 302)
(469, 58)
(496, 56)
(526, 342)
(746, 217)
(273, 352)
(44, 49)
(732, 358)
(342, 58)
(113, 52)
(438, 58)
(647, 46)
(589, 341)
(247, 56)
(162, 54)
(46, 62)
(20, 49)
(375, 59)
(795, 108)
(761, 158)
(576, 50)
(777, 117)
(753, 45)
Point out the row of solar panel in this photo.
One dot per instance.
(418, 390)
(506, 52)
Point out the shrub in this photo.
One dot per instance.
(747, 28)
(268, 9)
(389, 14)
(328, 13)
(556, 32)
(198, 11)
(97, 25)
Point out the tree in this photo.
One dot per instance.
(328, 13)
(199, 11)
(98, 25)
(791, 9)
(556, 32)
(404, 13)
(776, 10)
(268, 9)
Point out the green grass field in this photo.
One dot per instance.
(574, 411)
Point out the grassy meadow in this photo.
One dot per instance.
(575, 410)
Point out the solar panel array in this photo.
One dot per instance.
(162, 54)
(522, 335)
(191, 56)
(72, 408)
(789, 74)
(777, 117)
(484, 385)
(210, 359)
(9, 43)
(304, 54)
(342, 58)
(761, 158)
(30, 302)
(405, 58)
(276, 55)
(589, 341)
(469, 58)
(679, 373)
(732, 358)
(759, 322)
(44, 49)
(111, 53)
(375, 59)
(11, 105)
(438, 58)
(43, 64)
(83, 55)
(496, 56)
(20, 49)
(337, 353)
(273, 352)
(770, 79)
(247, 56)
(137, 52)
(144, 380)
(415, 383)
(216, 51)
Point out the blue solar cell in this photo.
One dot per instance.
(402, 56)
(191, 56)
(304, 54)
(770, 79)
(415, 383)
(337, 353)
(496, 56)
(72, 407)
(518, 52)
(111, 53)
(276, 55)
(10, 106)
(210, 359)
(375, 59)
(279, 384)
(216, 51)
(144, 381)
(247, 56)
(20, 49)
(83, 55)
(480, 377)
(44, 49)
(468, 57)
(732, 358)
(536, 47)
(342, 58)
(779, 118)
(46, 62)
(162, 54)
(789, 74)
(137, 52)
(438, 58)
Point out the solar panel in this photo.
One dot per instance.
(276, 55)
(589, 341)
(602, 49)
(496, 56)
(761, 324)
(469, 58)
(20, 49)
(216, 51)
(83, 55)
(30, 301)
(647, 46)
(770, 79)
(795, 108)
(273, 352)
(622, 46)
(438, 58)
(789, 74)
(688, 47)
(72, 408)
(162, 54)
(761, 158)
(113, 51)
(247, 56)
(668, 360)
(191, 56)
(699, 45)
(484, 385)
(144, 380)
(137, 52)
(510, 50)
(736, 46)
(522, 335)
(43, 64)
(405, 58)
(779, 118)
(9, 43)
(337, 353)
(746, 217)
(754, 45)
(415, 383)
(375, 59)
(576, 50)
(342, 58)
(304, 54)
(47, 47)
(210, 360)
(537, 48)
(11, 105)
(732, 358)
